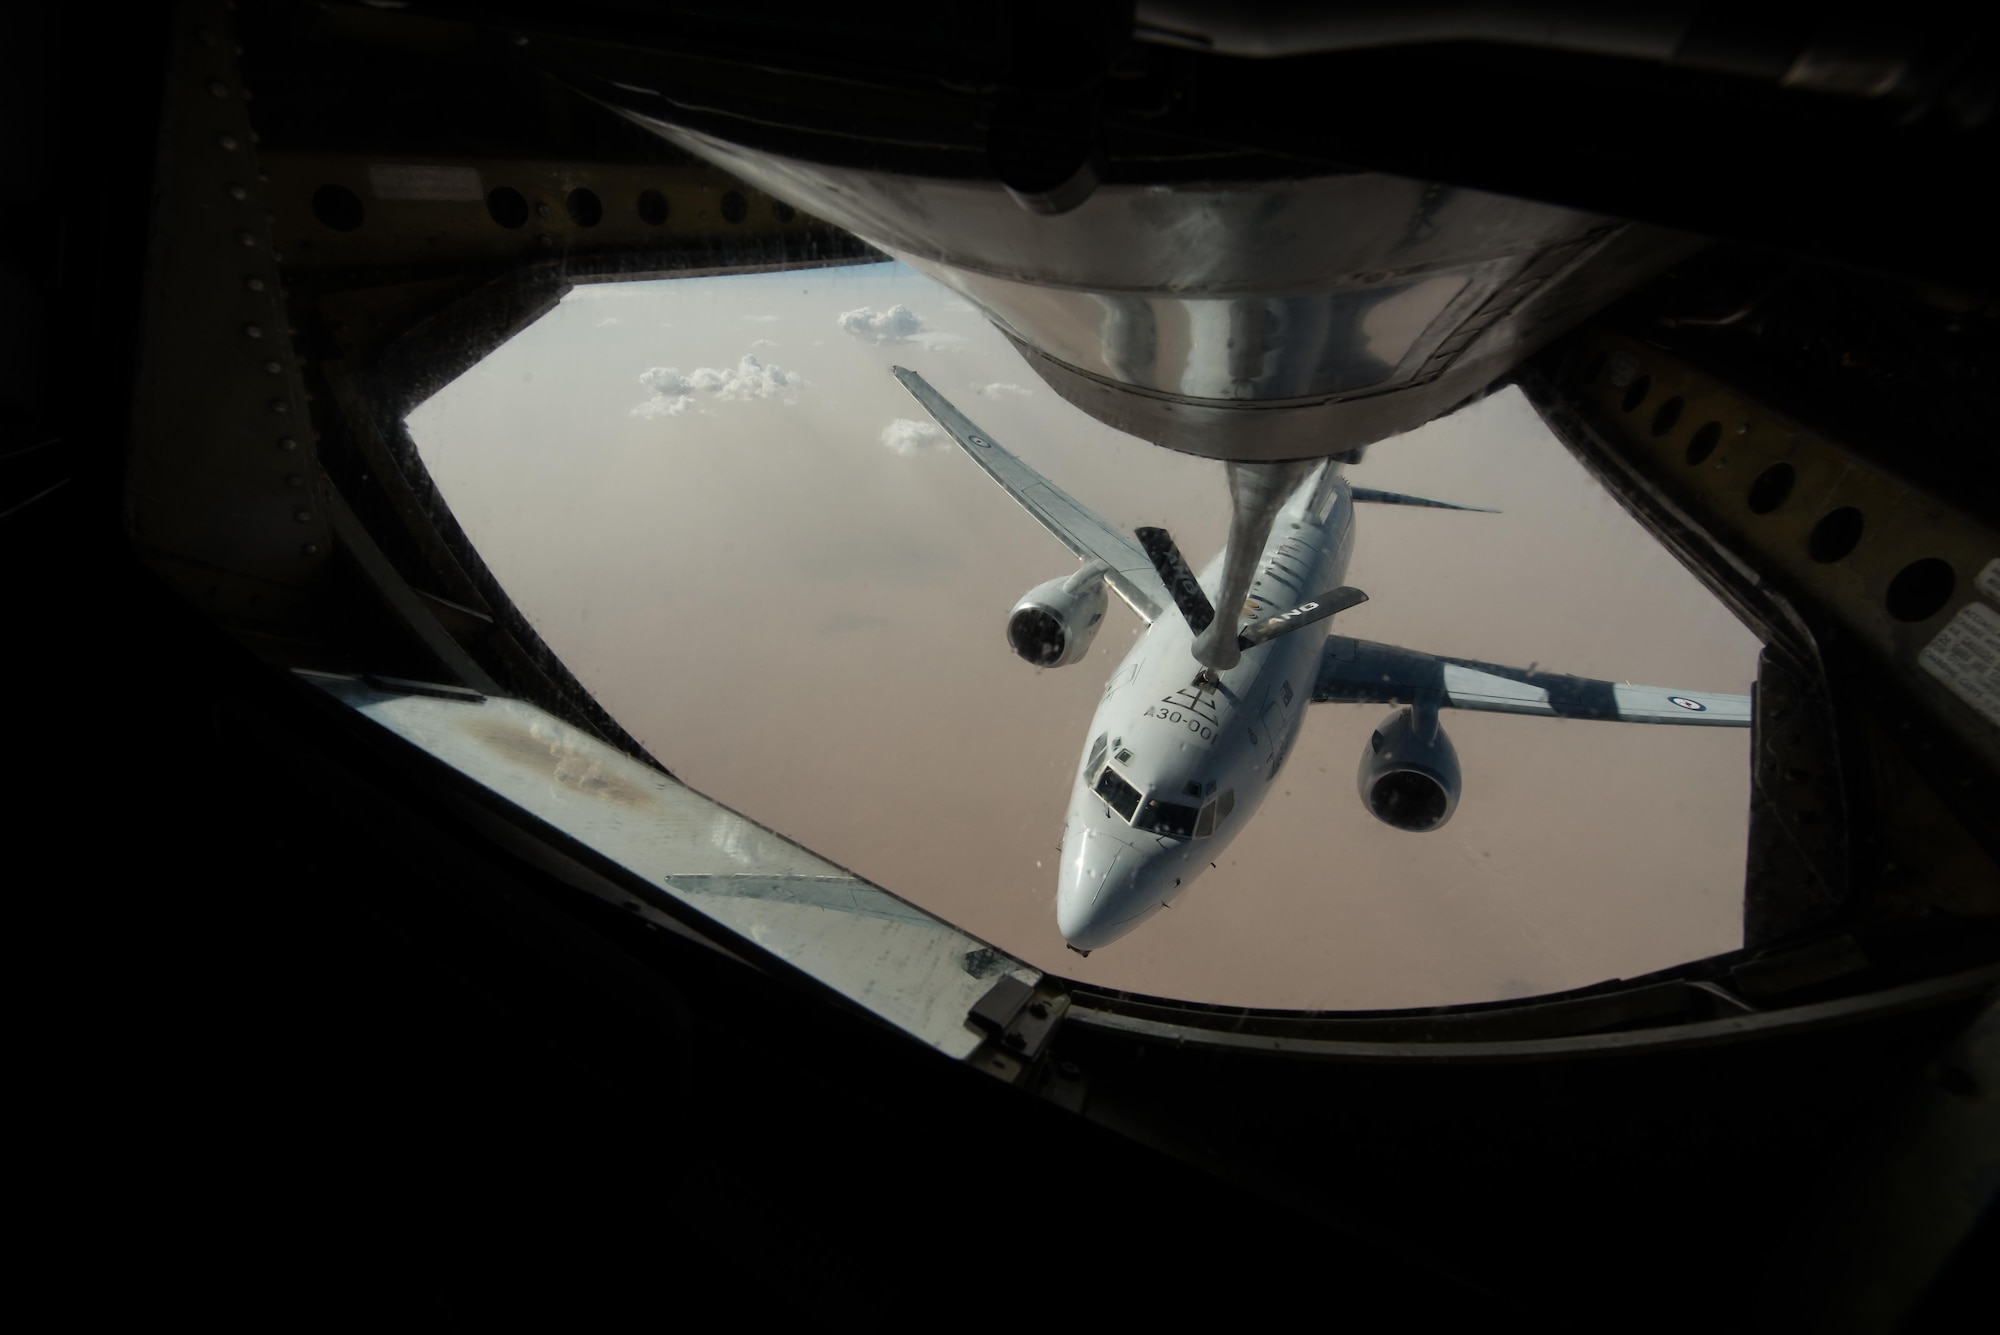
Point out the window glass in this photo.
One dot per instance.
(1122, 796)
(721, 510)
(1204, 825)
(903, 964)
(1163, 817)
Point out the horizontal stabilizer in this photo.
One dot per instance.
(1374, 497)
(1325, 605)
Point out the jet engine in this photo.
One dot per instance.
(1054, 623)
(1409, 773)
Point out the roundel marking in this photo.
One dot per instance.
(1685, 703)
(980, 441)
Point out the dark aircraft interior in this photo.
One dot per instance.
(319, 1028)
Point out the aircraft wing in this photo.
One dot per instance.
(1079, 528)
(1363, 671)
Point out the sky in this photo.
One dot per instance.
(743, 536)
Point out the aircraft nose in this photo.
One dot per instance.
(1106, 889)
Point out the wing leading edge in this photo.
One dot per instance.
(1085, 533)
(1362, 671)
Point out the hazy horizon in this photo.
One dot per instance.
(719, 508)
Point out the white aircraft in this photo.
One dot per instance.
(1196, 722)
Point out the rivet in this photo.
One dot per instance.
(236, 191)
(280, 406)
(294, 480)
(288, 445)
(254, 283)
(273, 367)
(217, 88)
(225, 140)
(304, 516)
(542, 208)
(310, 549)
(246, 237)
(253, 331)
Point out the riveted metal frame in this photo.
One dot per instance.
(400, 231)
(222, 496)
(1660, 404)
(272, 479)
(1876, 790)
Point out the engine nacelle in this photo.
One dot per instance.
(1054, 623)
(1407, 780)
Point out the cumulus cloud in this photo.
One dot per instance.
(765, 343)
(898, 324)
(906, 436)
(1001, 389)
(675, 393)
(762, 319)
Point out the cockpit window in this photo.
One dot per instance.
(1097, 749)
(1225, 804)
(1122, 796)
(1204, 825)
(1169, 818)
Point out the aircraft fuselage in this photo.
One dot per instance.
(1173, 767)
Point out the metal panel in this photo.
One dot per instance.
(222, 493)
